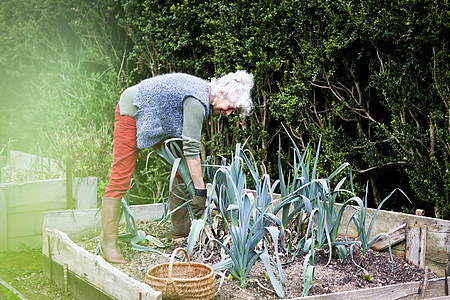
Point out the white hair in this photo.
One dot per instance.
(235, 87)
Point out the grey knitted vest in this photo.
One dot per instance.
(160, 105)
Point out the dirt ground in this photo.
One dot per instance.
(22, 270)
(329, 278)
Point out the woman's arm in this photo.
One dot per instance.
(193, 118)
(195, 168)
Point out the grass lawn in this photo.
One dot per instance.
(23, 271)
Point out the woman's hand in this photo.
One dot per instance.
(198, 203)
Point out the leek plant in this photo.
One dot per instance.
(308, 193)
(172, 153)
(329, 219)
(293, 191)
(137, 238)
(359, 218)
(248, 221)
(296, 191)
(309, 270)
(304, 192)
(229, 182)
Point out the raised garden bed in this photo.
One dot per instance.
(24, 197)
(259, 227)
(94, 274)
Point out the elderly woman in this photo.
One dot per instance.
(165, 106)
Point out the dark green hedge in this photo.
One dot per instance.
(370, 77)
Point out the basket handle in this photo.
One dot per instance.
(172, 258)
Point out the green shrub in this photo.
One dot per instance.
(368, 76)
(88, 149)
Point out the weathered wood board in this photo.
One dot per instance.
(416, 244)
(404, 291)
(437, 235)
(22, 207)
(396, 235)
(3, 223)
(94, 269)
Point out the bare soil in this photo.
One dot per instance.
(374, 271)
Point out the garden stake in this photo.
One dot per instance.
(425, 283)
(446, 283)
(50, 258)
(69, 183)
(65, 279)
(2, 159)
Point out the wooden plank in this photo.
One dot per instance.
(75, 223)
(412, 244)
(404, 291)
(69, 184)
(399, 249)
(396, 236)
(437, 242)
(386, 220)
(26, 162)
(36, 196)
(49, 194)
(94, 269)
(12, 290)
(416, 236)
(436, 288)
(3, 223)
(423, 246)
(85, 192)
(392, 292)
(25, 224)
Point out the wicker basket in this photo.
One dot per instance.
(182, 280)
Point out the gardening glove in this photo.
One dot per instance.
(198, 203)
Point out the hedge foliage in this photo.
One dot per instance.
(370, 77)
(60, 73)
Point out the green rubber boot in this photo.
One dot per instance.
(109, 231)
